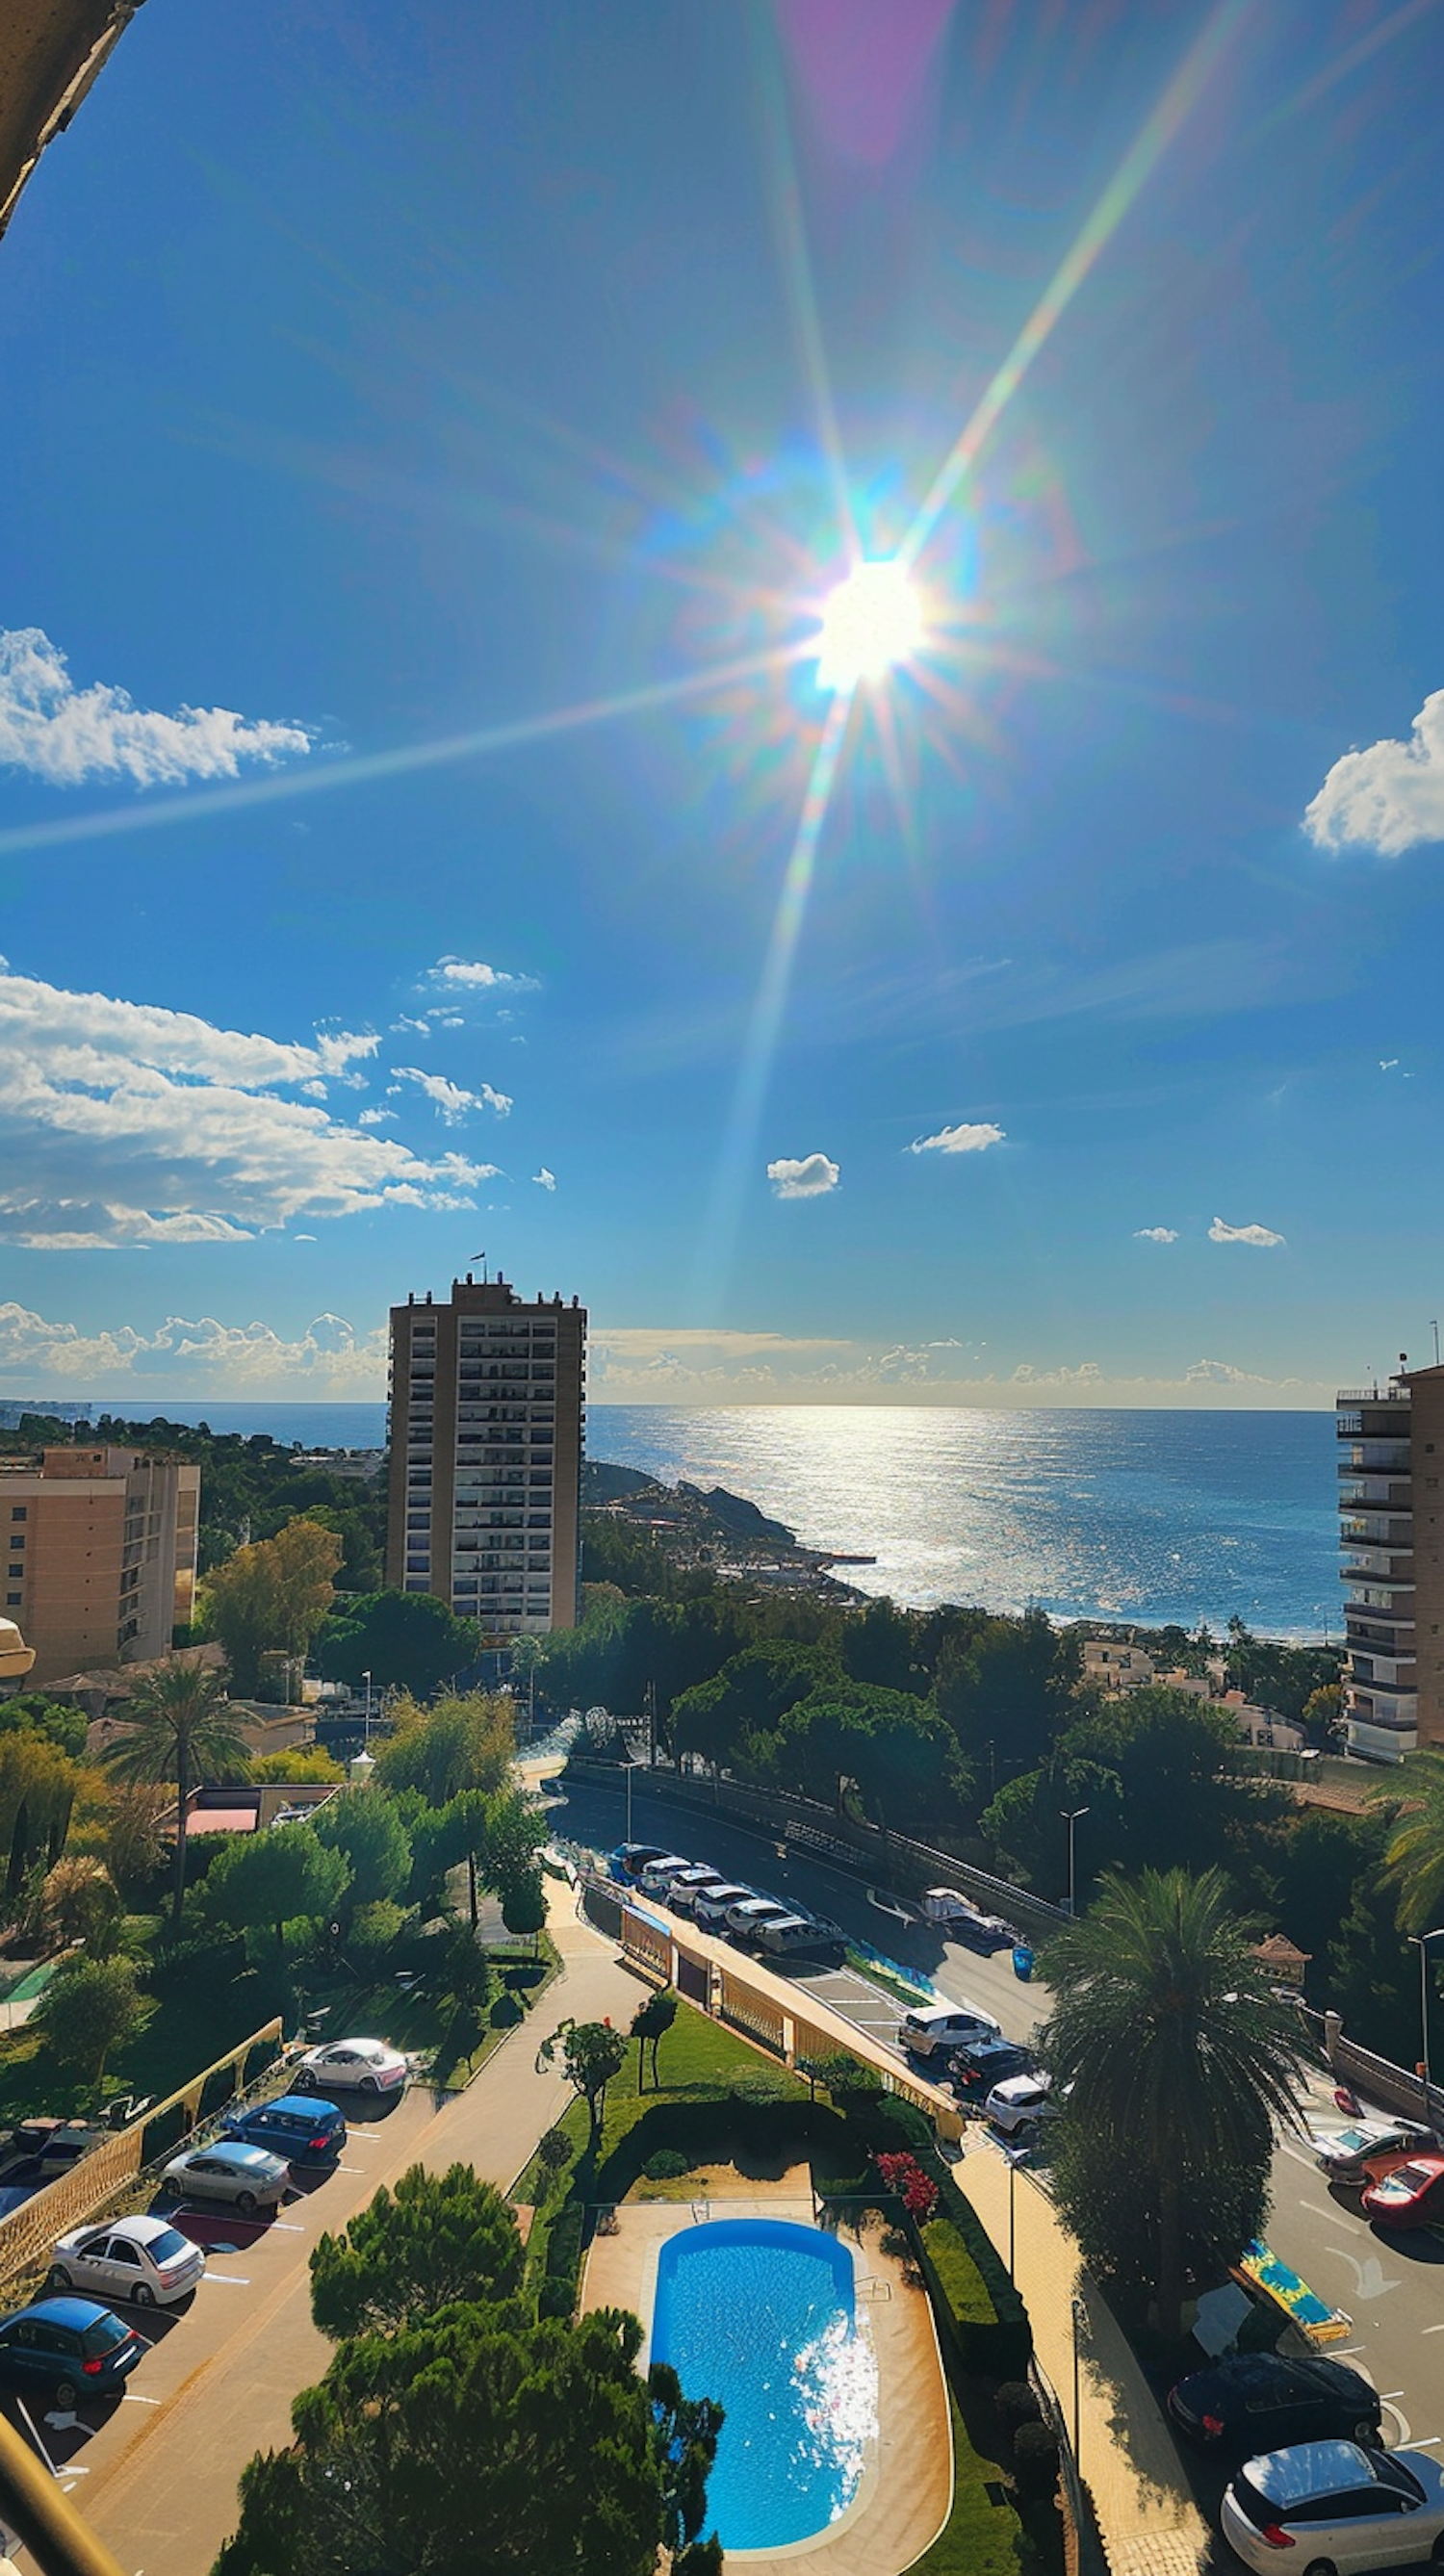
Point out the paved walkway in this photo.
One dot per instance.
(1149, 2521)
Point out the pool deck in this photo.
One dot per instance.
(907, 2489)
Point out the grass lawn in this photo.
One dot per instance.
(419, 2018)
(186, 2033)
(979, 2538)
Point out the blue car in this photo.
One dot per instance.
(300, 2127)
(67, 2349)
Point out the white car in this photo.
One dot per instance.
(248, 2177)
(144, 2260)
(1339, 2507)
(935, 2026)
(1017, 2100)
(357, 2065)
(1343, 2153)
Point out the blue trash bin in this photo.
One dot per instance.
(1023, 1962)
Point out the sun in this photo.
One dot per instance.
(870, 623)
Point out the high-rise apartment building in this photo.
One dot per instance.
(487, 1406)
(1391, 1524)
(102, 1554)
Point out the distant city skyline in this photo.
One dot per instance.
(796, 683)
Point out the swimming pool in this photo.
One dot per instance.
(759, 2313)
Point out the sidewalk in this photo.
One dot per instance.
(1149, 2522)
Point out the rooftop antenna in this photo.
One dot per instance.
(1434, 1329)
(481, 1257)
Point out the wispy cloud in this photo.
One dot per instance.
(448, 1099)
(1155, 1234)
(1261, 1235)
(811, 1177)
(376, 1118)
(459, 975)
(544, 1179)
(122, 1123)
(1389, 798)
(959, 1140)
(68, 736)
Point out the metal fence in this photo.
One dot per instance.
(30, 2231)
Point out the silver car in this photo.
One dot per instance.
(248, 2177)
(143, 2260)
(1339, 2507)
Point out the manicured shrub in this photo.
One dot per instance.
(1035, 2459)
(667, 2165)
(1016, 2402)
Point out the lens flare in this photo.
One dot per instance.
(871, 622)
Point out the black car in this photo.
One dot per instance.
(986, 2062)
(1252, 2402)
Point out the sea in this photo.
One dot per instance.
(1127, 1515)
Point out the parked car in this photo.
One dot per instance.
(249, 2178)
(357, 2065)
(934, 2026)
(299, 2126)
(747, 1919)
(630, 1859)
(967, 1921)
(1010, 2106)
(710, 1904)
(65, 2146)
(1263, 2401)
(1408, 2195)
(1343, 2153)
(986, 2062)
(1339, 2505)
(24, 2145)
(689, 1884)
(66, 2349)
(143, 2260)
(800, 1936)
(658, 1875)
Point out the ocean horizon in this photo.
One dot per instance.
(1110, 1513)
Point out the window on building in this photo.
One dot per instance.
(12, 1600)
(20, 1511)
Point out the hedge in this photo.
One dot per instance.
(979, 2538)
(982, 2323)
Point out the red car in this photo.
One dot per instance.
(1411, 2195)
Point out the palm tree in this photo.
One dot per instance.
(1414, 1859)
(1179, 2062)
(178, 1726)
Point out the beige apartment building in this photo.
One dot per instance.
(102, 1554)
(1391, 1526)
(487, 1412)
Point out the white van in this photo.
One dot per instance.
(1021, 2098)
(935, 2026)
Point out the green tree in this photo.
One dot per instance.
(650, 2024)
(1010, 1687)
(83, 1903)
(91, 2008)
(591, 2054)
(1414, 1859)
(684, 2445)
(57, 1720)
(524, 1906)
(367, 1828)
(130, 1834)
(406, 1641)
(459, 1743)
(435, 2239)
(178, 1726)
(303, 1763)
(1178, 2062)
(272, 1596)
(275, 1877)
(476, 2442)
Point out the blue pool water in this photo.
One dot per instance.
(759, 2314)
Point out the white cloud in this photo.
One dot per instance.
(448, 1098)
(810, 1178)
(67, 735)
(123, 1123)
(331, 1359)
(1389, 798)
(303, 1238)
(1222, 1373)
(376, 1118)
(959, 1140)
(1387, 1063)
(1087, 1373)
(544, 1179)
(1155, 1234)
(1262, 1235)
(466, 979)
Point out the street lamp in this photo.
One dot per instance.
(1421, 1941)
(1071, 1816)
(1080, 2318)
(366, 1737)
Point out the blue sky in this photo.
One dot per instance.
(426, 449)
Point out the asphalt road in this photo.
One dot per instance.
(1392, 2286)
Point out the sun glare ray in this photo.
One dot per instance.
(1137, 166)
(329, 775)
(791, 229)
(759, 1047)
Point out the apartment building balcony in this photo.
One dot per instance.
(1377, 1564)
(1377, 1670)
(1376, 1457)
(1374, 1493)
(1377, 1529)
